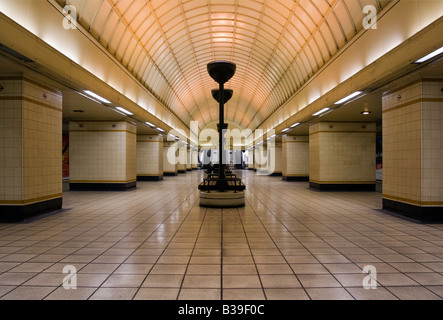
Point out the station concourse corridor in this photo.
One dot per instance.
(155, 242)
(116, 116)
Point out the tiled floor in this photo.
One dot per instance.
(155, 242)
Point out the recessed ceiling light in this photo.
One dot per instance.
(430, 56)
(349, 97)
(124, 111)
(285, 130)
(320, 112)
(295, 124)
(149, 124)
(96, 96)
(366, 112)
(160, 129)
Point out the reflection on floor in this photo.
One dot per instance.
(155, 242)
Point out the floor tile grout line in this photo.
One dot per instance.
(358, 266)
(253, 259)
(153, 265)
(192, 251)
(323, 263)
(298, 279)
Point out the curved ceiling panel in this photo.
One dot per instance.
(277, 45)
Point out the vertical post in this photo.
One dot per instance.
(222, 125)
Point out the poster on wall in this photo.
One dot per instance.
(379, 159)
(65, 156)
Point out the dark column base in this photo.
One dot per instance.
(188, 170)
(251, 169)
(295, 178)
(276, 174)
(169, 174)
(149, 178)
(182, 171)
(341, 187)
(422, 214)
(102, 186)
(14, 214)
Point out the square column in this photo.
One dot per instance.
(274, 159)
(295, 158)
(251, 153)
(194, 158)
(413, 150)
(30, 149)
(342, 156)
(102, 155)
(182, 157)
(189, 160)
(170, 166)
(149, 157)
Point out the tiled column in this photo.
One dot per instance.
(413, 150)
(189, 160)
(102, 155)
(194, 157)
(295, 158)
(170, 167)
(251, 159)
(149, 157)
(30, 149)
(182, 157)
(274, 163)
(342, 156)
(261, 159)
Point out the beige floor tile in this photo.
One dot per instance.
(124, 281)
(77, 294)
(15, 279)
(163, 281)
(395, 279)
(274, 269)
(169, 269)
(99, 268)
(286, 294)
(199, 294)
(241, 281)
(309, 268)
(379, 293)
(207, 269)
(114, 294)
(329, 294)
(427, 279)
(28, 293)
(199, 281)
(318, 281)
(237, 269)
(157, 294)
(413, 293)
(243, 294)
(280, 281)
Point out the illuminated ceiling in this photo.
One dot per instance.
(278, 45)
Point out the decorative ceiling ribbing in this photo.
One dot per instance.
(277, 45)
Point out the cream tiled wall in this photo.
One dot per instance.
(342, 153)
(169, 157)
(102, 152)
(295, 156)
(30, 142)
(150, 155)
(412, 143)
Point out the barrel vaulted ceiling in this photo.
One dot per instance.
(278, 45)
